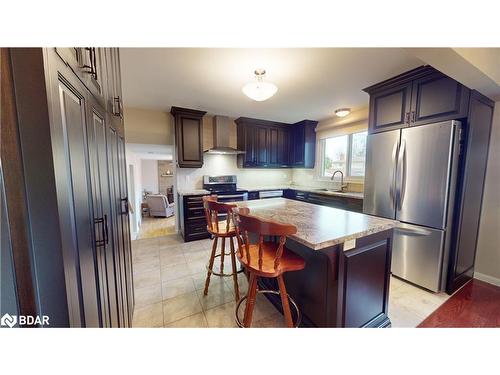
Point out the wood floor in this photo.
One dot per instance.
(477, 304)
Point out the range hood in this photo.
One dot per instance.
(221, 138)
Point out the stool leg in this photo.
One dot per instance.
(284, 302)
(252, 292)
(210, 265)
(235, 275)
(223, 251)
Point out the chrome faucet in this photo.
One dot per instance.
(341, 178)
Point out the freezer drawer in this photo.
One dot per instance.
(417, 255)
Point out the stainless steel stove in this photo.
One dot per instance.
(225, 187)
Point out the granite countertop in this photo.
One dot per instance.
(316, 190)
(347, 194)
(318, 227)
(193, 192)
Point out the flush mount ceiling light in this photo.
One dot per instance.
(342, 112)
(259, 90)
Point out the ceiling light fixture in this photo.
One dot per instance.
(260, 90)
(342, 112)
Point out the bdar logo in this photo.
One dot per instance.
(8, 320)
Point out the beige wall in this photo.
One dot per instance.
(148, 127)
(488, 248)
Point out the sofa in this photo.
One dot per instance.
(160, 206)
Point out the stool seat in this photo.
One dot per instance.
(289, 261)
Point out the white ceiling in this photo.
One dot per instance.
(312, 82)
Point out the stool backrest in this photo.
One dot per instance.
(246, 223)
(212, 211)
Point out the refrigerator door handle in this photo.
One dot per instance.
(403, 182)
(399, 175)
(393, 174)
(416, 232)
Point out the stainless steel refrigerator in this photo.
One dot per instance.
(411, 177)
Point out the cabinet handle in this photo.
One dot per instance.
(100, 243)
(407, 118)
(90, 69)
(124, 202)
(106, 232)
(117, 107)
(412, 119)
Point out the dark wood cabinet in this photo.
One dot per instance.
(303, 140)
(89, 65)
(390, 108)
(334, 201)
(269, 144)
(262, 146)
(192, 218)
(436, 97)
(188, 137)
(420, 96)
(470, 191)
(85, 174)
(425, 95)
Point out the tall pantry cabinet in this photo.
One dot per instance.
(78, 101)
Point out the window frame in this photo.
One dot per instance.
(347, 176)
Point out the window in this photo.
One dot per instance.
(346, 153)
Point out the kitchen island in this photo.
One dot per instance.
(348, 259)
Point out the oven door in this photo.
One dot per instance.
(233, 197)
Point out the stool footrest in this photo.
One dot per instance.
(270, 291)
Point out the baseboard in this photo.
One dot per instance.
(487, 278)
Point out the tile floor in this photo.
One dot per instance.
(156, 227)
(169, 277)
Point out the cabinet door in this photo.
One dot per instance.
(250, 158)
(274, 147)
(115, 103)
(246, 141)
(283, 147)
(98, 157)
(189, 144)
(390, 108)
(117, 226)
(188, 137)
(463, 254)
(262, 142)
(298, 141)
(125, 222)
(437, 97)
(69, 141)
(96, 79)
(88, 63)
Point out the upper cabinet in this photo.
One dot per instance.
(89, 65)
(390, 108)
(303, 151)
(418, 97)
(437, 97)
(188, 137)
(270, 144)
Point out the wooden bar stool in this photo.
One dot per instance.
(265, 259)
(220, 229)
